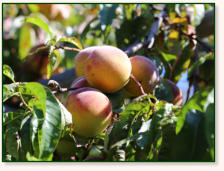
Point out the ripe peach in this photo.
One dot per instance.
(107, 69)
(177, 93)
(79, 83)
(91, 111)
(80, 60)
(145, 71)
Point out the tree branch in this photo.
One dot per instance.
(150, 40)
(66, 78)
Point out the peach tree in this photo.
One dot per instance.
(105, 82)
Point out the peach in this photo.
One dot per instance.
(80, 60)
(177, 93)
(79, 83)
(91, 111)
(108, 69)
(145, 71)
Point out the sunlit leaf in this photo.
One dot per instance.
(199, 62)
(40, 23)
(196, 102)
(9, 90)
(168, 57)
(25, 40)
(72, 40)
(7, 71)
(51, 129)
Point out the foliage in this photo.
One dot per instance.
(36, 124)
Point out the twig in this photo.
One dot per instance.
(69, 74)
(201, 43)
(63, 90)
(138, 83)
(150, 40)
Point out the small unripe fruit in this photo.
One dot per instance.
(145, 71)
(177, 93)
(80, 60)
(108, 69)
(91, 111)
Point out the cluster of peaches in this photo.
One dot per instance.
(107, 69)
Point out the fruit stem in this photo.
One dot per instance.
(138, 83)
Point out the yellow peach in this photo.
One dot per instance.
(145, 71)
(107, 69)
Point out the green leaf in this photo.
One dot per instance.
(163, 91)
(209, 109)
(33, 7)
(10, 117)
(25, 133)
(40, 23)
(7, 71)
(66, 115)
(107, 14)
(116, 99)
(54, 56)
(168, 57)
(46, 121)
(38, 96)
(196, 102)
(51, 129)
(72, 40)
(33, 158)
(190, 144)
(12, 140)
(201, 61)
(184, 60)
(9, 90)
(34, 134)
(129, 119)
(25, 40)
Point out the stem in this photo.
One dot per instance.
(138, 83)
(24, 102)
(63, 90)
(150, 40)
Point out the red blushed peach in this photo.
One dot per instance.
(177, 93)
(108, 69)
(91, 111)
(80, 60)
(145, 71)
(79, 83)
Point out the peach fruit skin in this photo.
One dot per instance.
(79, 83)
(177, 93)
(80, 60)
(145, 71)
(108, 69)
(91, 111)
